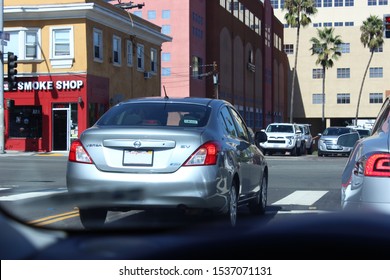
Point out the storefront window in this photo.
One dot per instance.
(25, 121)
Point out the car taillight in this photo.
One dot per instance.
(77, 153)
(378, 165)
(207, 154)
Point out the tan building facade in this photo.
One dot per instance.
(343, 81)
(76, 58)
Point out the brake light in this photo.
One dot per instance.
(77, 153)
(207, 154)
(378, 165)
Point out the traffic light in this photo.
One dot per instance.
(12, 59)
(386, 22)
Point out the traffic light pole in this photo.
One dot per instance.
(2, 130)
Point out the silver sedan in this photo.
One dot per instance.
(366, 177)
(190, 153)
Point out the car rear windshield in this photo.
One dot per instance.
(156, 114)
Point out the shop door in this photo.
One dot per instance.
(64, 122)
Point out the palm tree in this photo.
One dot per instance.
(326, 47)
(371, 37)
(298, 14)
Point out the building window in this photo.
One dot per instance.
(140, 57)
(196, 67)
(317, 98)
(282, 4)
(349, 3)
(166, 14)
(343, 73)
(379, 49)
(274, 4)
(376, 98)
(289, 48)
(116, 50)
(62, 47)
(166, 29)
(165, 71)
(97, 45)
(318, 73)
(317, 24)
(371, 2)
(349, 23)
(138, 13)
(338, 3)
(327, 24)
(343, 98)
(376, 72)
(153, 60)
(129, 50)
(62, 43)
(338, 23)
(383, 2)
(344, 48)
(318, 3)
(327, 3)
(25, 122)
(31, 47)
(152, 14)
(166, 57)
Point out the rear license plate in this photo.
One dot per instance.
(135, 157)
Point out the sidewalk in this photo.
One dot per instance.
(10, 153)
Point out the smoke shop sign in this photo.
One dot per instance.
(50, 85)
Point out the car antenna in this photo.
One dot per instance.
(165, 92)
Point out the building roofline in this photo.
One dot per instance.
(118, 20)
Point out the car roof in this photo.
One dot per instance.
(194, 100)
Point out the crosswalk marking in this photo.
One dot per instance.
(305, 198)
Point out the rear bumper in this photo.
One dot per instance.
(189, 187)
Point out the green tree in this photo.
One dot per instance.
(297, 15)
(326, 47)
(371, 37)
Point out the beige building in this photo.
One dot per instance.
(343, 81)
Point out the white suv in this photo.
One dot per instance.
(283, 137)
(307, 137)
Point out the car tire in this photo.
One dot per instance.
(92, 218)
(294, 151)
(233, 205)
(310, 150)
(259, 203)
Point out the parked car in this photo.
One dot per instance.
(363, 132)
(282, 138)
(307, 138)
(184, 153)
(366, 178)
(327, 143)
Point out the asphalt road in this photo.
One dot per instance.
(305, 184)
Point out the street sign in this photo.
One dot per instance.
(4, 36)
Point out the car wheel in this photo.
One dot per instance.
(92, 218)
(294, 151)
(232, 213)
(257, 206)
(309, 150)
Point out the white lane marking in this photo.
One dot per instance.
(305, 198)
(21, 196)
(3, 189)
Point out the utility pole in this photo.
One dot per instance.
(2, 130)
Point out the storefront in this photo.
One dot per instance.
(46, 113)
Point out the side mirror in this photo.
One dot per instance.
(260, 137)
